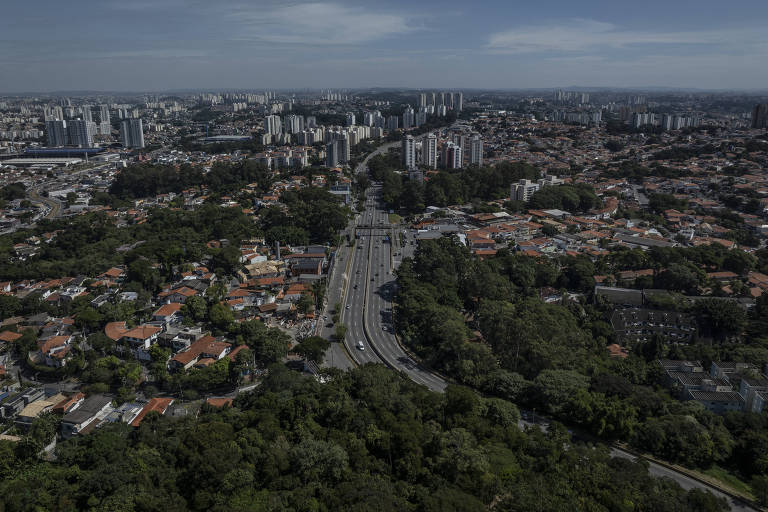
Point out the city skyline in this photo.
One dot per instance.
(143, 46)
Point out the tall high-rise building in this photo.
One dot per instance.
(344, 148)
(80, 133)
(451, 157)
(104, 114)
(132, 133)
(408, 118)
(442, 99)
(293, 123)
(55, 113)
(87, 113)
(306, 137)
(433, 98)
(57, 132)
(423, 99)
(350, 119)
(429, 151)
(760, 116)
(476, 151)
(273, 125)
(459, 101)
(421, 117)
(392, 123)
(332, 154)
(462, 140)
(105, 126)
(408, 149)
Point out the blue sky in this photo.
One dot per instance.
(145, 45)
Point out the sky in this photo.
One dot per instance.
(161, 45)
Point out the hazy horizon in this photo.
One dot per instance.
(174, 45)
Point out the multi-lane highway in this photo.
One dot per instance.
(366, 286)
(368, 311)
(363, 282)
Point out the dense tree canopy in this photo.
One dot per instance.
(368, 440)
(483, 323)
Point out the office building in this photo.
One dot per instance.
(429, 151)
(80, 134)
(408, 148)
(273, 125)
(57, 133)
(132, 133)
(476, 151)
(760, 116)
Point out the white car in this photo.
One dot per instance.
(360, 345)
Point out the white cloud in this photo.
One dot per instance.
(318, 23)
(581, 35)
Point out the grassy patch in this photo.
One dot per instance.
(729, 479)
(394, 218)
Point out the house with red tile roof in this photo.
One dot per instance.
(205, 347)
(168, 313)
(9, 336)
(115, 330)
(140, 338)
(53, 351)
(219, 402)
(179, 295)
(158, 405)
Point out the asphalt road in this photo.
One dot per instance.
(368, 309)
(54, 205)
(685, 481)
(340, 290)
(531, 420)
(336, 356)
(367, 312)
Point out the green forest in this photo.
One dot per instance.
(483, 323)
(88, 244)
(472, 185)
(369, 440)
